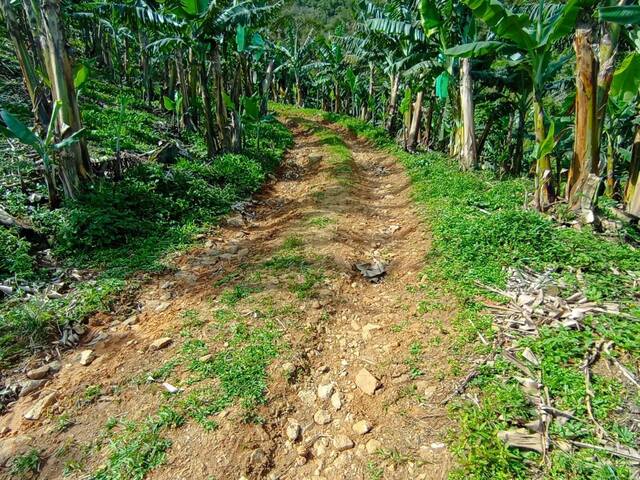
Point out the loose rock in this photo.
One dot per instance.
(325, 391)
(55, 366)
(87, 357)
(322, 417)
(38, 373)
(336, 401)
(12, 446)
(35, 412)
(362, 427)
(161, 343)
(367, 382)
(30, 386)
(342, 442)
(373, 446)
(368, 329)
(293, 430)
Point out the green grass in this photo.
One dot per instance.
(473, 246)
(27, 465)
(320, 221)
(119, 229)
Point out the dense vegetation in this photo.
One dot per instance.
(131, 127)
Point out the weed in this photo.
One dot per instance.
(27, 465)
(64, 422)
(232, 296)
(414, 359)
(320, 222)
(91, 394)
(374, 471)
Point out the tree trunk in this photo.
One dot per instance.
(485, 133)
(298, 92)
(606, 64)
(75, 166)
(469, 158)
(632, 191)
(147, 81)
(545, 192)
(426, 133)
(221, 106)
(266, 88)
(611, 181)
(393, 104)
(584, 160)
(210, 135)
(412, 139)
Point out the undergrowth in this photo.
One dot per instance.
(480, 228)
(118, 228)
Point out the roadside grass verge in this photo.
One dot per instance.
(480, 228)
(120, 229)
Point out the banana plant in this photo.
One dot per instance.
(46, 147)
(626, 87)
(530, 41)
(174, 106)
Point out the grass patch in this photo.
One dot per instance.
(27, 465)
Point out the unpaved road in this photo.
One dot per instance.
(331, 211)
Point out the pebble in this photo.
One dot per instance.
(342, 442)
(87, 357)
(30, 386)
(366, 382)
(293, 430)
(325, 391)
(336, 401)
(205, 358)
(132, 320)
(35, 412)
(162, 307)
(161, 343)
(322, 417)
(55, 366)
(362, 427)
(373, 446)
(38, 373)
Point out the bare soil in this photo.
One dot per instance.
(398, 330)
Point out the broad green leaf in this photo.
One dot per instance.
(442, 85)
(564, 24)
(548, 144)
(251, 108)
(474, 49)
(405, 105)
(70, 140)
(241, 38)
(627, 15)
(169, 104)
(351, 79)
(228, 101)
(80, 76)
(19, 130)
(429, 15)
(502, 22)
(626, 79)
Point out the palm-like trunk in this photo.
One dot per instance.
(412, 140)
(585, 150)
(545, 192)
(207, 104)
(468, 156)
(632, 191)
(266, 87)
(74, 160)
(393, 104)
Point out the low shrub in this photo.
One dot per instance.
(14, 254)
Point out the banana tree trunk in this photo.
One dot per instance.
(393, 104)
(147, 81)
(545, 192)
(585, 148)
(412, 140)
(606, 66)
(299, 102)
(632, 191)
(426, 133)
(468, 156)
(210, 135)
(266, 88)
(39, 101)
(338, 99)
(221, 106)
(75, 166)
(611, 181)
(485, 134)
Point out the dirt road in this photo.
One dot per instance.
(287, 362)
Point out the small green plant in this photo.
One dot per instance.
(91, 394)
(64, 422)
(415, 359)
(27, 465)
